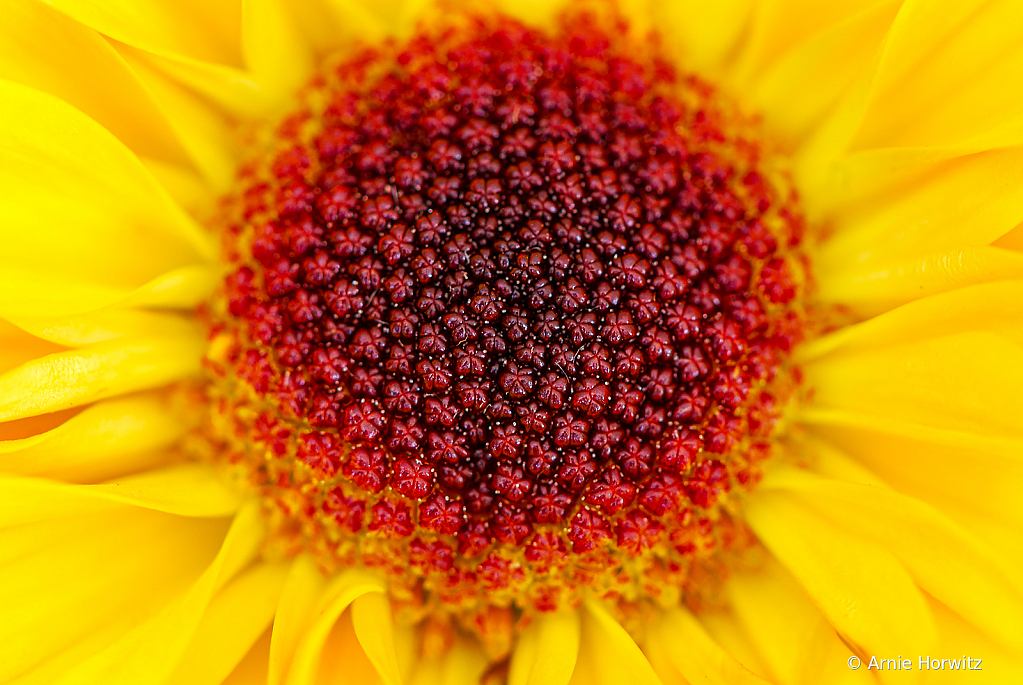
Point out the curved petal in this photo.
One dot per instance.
(67, 379)
(272, 47)
(302, 589)
(960, 639)
(940, 466)
(105, 324)
(967, 202)
(965, 70)
(18, 347)
(202, 130)
(724, 628)
(862, 589)
(188, 490)
(208, 31)
(703, 35)
(610, 651)
(149, 653)
(252, 669)
(108, 439)
(778, 618)
(183, 288)
(697, 657)
(374, 628)
(879, 287)
(943, 558)
(918, 30)
(547, 650)
(231, 625)
(977, 392)
(329, 24)
(990, 307)
(84, 221)
(464, 663)
(340, 593)
(343, 659)
(47, 50)
(74, 582)
(796, 90)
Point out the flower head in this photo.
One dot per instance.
(520, 358)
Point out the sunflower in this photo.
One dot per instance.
(734, 400)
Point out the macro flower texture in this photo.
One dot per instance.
(526, 343)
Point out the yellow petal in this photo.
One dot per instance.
(944, 559)
(610, 651)
(341, 592)
(696, 655)
(1013, 240)
(343, 659)
(778, 26)
(272, 47)
(546, 651)
(726, 631)
(187, 490)
(106, 324)
(702, 35)
(937, 465)
(72, 585)
(200, 30)
(778, 618)
(67, 379)
(108, 439)
(919, 29)
(18, 347)
(464, 663)
(79, 210)
(959, 640)
(975, 388)
(879, 287)
(374, 627)
(183, 288)
(202, 130)
(232, 624)
(797, 90)
(184, 185)
(991, 307)
(963, 203)
(252, 670)
(829, 461)
(955, 90)
(46, 50)
(330, 24)
(91, 320)
(863, 590)
(302, 589)
(149, 653)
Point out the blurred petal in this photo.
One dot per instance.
(111, 438)
(863, 590)
(546, 652)
(337, 596)
(611, 652)
(943, 558)
(696, 655)
(67, 379)
(76, 203)
(374, 628)
(233, 622)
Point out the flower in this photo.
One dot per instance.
(885, 528)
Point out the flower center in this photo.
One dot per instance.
(507, 320)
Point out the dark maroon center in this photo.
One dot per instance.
(517, 281)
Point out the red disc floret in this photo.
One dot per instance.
(507, 298)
